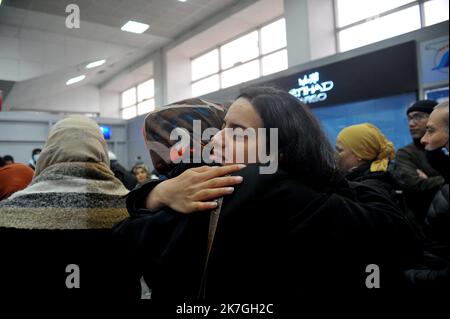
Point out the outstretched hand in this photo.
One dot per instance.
(195, 189)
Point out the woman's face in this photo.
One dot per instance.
(141, 175)
(235, 136)
(346, 159)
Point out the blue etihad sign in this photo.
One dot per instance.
(311, 90)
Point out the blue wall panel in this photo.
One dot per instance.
(388, 114)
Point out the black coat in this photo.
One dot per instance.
(276, 238)
(384, 182)
(34, 262)
(419, 192)
(438, 223)
(127, 178)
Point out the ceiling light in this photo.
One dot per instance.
(182, 0)
(135, 27)
(75, 79)
(95, 64)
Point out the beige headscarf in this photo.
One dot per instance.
(74, 139)
(368, 143)
(73, 186)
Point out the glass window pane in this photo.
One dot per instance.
(275, 62)
(379, 29)
(129, 112)
(146, 90)
(207, 85)
(242, 73)
(146, 107)
(349, 11)
(435, 11)
(273, 36)
(129, 97)
(205, 65)
(240, 50)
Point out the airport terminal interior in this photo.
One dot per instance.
(360, 72)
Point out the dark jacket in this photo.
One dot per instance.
(277, 238)
(381, 181)
(43, 232)
(437, 223)
(432, 274)
(34, 266)
(419, 192)
(127, 178)
(386, 184)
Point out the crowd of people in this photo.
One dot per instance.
(226, 232)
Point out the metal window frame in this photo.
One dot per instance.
(219, 46)
(338, 29)
(121, 108)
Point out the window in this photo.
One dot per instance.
(435, 11)
(205, 65)
(362, 22)
(273, 36)
(242, 73)
(207, 85)
(380, 29)
(351, 11)
(138, 100)
(239, 51)
(257, 53)
(274, 62)
(129, 97)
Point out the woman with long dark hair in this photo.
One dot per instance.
(301, 231)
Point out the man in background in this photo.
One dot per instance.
(419, 180)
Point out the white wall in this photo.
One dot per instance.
(109, 104)
(245, 16)
(28, 53)
(310, 30)
(21, 132)
(321, 26)
(43, 94)
(178, 76)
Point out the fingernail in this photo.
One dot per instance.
(238, 179)
(213, 204)
(241, 166)
(230, 190)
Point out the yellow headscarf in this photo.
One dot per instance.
(368, 143)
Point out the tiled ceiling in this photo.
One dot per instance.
(167, 18)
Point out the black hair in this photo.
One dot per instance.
(8, 158)
(2, 162)
(304, 149)
(36, 151)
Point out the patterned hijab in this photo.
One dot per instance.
(179, 116)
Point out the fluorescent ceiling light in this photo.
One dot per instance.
(135, 27)
(182, 0)
(95, 64)
(76, 79)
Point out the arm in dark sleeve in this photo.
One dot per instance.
(137, 197)
(406, 173)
